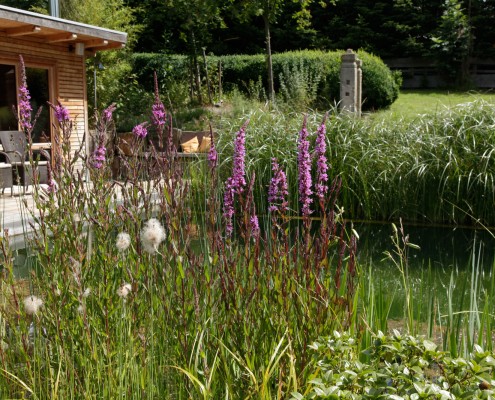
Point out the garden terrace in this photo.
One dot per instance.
(54, 51)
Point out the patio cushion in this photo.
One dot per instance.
(190, 145)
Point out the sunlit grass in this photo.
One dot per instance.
(413, 103)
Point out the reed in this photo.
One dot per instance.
(437, 168)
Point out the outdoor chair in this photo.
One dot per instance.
(6, 180)
(15, 149)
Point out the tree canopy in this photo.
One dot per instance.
(387, 28)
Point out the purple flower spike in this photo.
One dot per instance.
(140, 130)
(237, 182)
(228, 206)
(212, 154)
(321, 161)
(61, 113)
(278, 189)
(108, 113)
(25, 108)
(99, 157)
(255, 226)
(239, 166)
(158, 114)
(304, 170)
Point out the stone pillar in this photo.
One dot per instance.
(350, 83)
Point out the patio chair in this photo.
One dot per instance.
(6, 180)
(15, 149)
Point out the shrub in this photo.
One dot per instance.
(380, 85)
(320, 69)
(396, 367)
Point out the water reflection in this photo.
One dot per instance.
(439, 246)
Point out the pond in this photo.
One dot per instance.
(451, 264)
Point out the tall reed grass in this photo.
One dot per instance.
(438, 168)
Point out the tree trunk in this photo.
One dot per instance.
(197, 74)
(269, 66)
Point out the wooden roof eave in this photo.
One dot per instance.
(16, 22)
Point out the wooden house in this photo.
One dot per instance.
(54, 52)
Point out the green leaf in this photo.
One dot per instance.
(429, 345)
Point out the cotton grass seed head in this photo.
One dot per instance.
(152, 235)
(86, 292)
(32, 305)
(124, 290)
(123, 241)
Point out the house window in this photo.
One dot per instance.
(8, 97)
(39, 89)
(38, 85)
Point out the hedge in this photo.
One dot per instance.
(380, 84)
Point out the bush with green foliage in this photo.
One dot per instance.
(396, 367)
(380, 85)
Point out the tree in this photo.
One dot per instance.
(269, 11)
(111, 14)
(28, 5)
(453, 42)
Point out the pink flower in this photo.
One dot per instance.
(278, 189)
(140, 130)
(25, 108)
(321, 161)
(237, 182)
(108, 113)
(61, 113)
(99, 157)
(304, 170)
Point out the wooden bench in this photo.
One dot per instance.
(189, 145)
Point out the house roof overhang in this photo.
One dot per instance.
(15, 22)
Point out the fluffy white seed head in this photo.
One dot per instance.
(152, 235)
(32, 305)
(124, 290)
(123, 241)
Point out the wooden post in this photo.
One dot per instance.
(206, 75)
(220, 80)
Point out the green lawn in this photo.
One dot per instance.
(412, 103)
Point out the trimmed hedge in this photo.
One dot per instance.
(380, 85)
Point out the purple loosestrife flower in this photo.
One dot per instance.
(52, 186)
(278, 189)
(237, 182)
(255, 226)
(61, 113)
(99, 157)
(321, 161)
(107, 113)
(304, 170)
(25, 108)
(212, 153)
(228, 206)
(158, 114)
(239, 166)
(140, 130)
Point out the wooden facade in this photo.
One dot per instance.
(60, 47)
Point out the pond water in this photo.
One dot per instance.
(446, 264)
